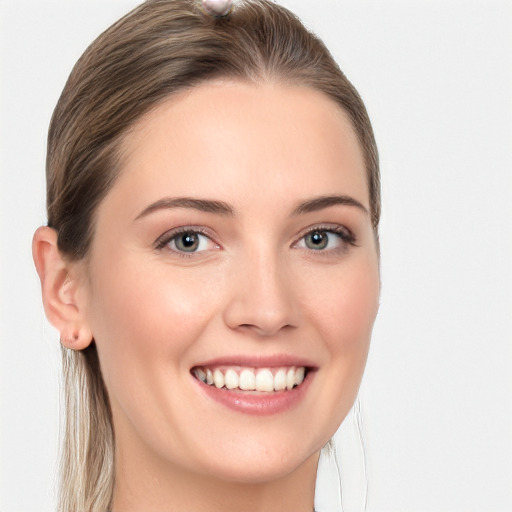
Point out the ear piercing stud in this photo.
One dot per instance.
(71, 338)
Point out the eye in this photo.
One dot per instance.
(326, 239)
(317, 240)
(185, 241)
(189, 242)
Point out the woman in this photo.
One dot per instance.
(210, 259)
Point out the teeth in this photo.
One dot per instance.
(299, 376)
(200, 374)
(290, 378)
(231, 379)
(218, 379)
(249, 379)
(280, 380)
(264, 380)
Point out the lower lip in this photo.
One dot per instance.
(258, 403)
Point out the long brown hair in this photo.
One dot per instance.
(158, 49)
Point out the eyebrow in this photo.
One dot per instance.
(225, 209)
(319, 203)
(203, 205)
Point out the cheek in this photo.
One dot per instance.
(146, 323)
(346, 314)
(147, 317)
(342, 311)
(347, 301)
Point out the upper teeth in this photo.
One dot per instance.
(251, 379)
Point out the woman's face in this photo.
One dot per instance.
(237, 246)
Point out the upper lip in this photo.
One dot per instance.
(258, 361)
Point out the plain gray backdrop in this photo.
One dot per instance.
(436, 399)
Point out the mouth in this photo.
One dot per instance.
(255, 385)
(249, 379)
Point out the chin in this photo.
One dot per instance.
(263, 471)
(255, 461)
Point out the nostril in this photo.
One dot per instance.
(262, 299)
(262, 329)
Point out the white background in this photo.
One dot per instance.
(437, 396)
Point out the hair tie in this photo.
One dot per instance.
(218, 8)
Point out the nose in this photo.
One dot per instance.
(261, 296)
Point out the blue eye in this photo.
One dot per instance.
(186, 241)
(317, 240)
(325, 239)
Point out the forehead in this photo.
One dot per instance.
(232, 138)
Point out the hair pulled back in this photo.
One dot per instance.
(160, 48)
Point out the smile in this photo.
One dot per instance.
(238, 378)
(260, 386)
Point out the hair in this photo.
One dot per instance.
(160, 48)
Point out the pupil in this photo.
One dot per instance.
(317, 240)
(188, 242)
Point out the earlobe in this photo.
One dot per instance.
(59, 288)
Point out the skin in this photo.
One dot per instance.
(255, 288)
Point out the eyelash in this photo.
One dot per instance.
(345, 235)
(169, 236)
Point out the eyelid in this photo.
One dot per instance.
(163, 240)
(338, 229)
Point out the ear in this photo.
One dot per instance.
(60, 287)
